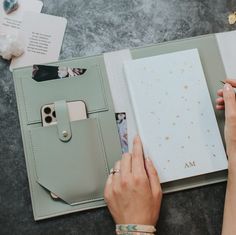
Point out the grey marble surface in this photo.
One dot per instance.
(94, 27)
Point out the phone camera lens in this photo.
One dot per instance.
(48, 119)
(47, 110)
(54, 114)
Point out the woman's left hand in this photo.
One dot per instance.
(133, 192)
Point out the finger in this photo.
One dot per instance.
(137, 157)
(220, 107)
(108, 188)
(116, 175)
(232, 82)
(220, 92)
(125, 164)
(220, 101)
(230, 103)
(116, 179)
(153, 177)
(109, 181)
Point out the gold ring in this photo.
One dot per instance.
(114, 171)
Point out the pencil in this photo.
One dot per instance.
(233, 87)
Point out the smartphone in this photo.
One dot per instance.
(77, 111)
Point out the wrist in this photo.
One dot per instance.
(232, 163)
(231, 153)
(231, 173)
(135, 229)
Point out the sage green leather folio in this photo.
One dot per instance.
(75, 167)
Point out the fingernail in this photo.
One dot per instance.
(148, 159)
(227, 87)
(137, 138)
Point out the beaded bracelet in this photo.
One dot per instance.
(138, 229)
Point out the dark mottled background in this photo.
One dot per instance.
(94, 27)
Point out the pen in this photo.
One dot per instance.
(233, 87)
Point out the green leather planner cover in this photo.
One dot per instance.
(76, 168)
(73, 167)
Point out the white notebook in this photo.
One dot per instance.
(174, 115)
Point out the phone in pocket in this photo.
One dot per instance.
(77, 111)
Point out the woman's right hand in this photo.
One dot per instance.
(226, 101)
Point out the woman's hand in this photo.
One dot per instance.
(227, 101)
(133, 193)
